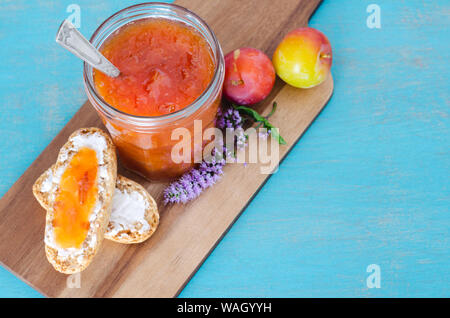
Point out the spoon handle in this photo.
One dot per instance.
(70, 38)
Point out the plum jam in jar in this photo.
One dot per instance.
(172, 72)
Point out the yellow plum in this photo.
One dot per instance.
(303, 58)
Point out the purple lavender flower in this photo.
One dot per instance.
(229, 118)
(241, 139)
(193, 182)
(264, 133)
(232, 119)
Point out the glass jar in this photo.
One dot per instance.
(144, 143)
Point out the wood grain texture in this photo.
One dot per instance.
(161, 266)
(365, 184)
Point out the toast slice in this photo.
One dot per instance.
(134, 217)
(72, 258)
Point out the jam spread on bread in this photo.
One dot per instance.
(76, 199)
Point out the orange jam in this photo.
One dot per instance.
(164, 65)
(76, 199)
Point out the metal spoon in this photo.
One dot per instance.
(70, 38)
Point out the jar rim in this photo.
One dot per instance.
(193, 106)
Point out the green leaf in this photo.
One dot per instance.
(274, 108)
(277, 136)
(263, 120)
(251, 112)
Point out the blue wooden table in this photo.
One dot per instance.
(367, 184)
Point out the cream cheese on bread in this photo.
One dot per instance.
(134, 217)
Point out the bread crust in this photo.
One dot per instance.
(41, 188)
(74, 260)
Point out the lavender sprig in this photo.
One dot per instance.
(193, 182)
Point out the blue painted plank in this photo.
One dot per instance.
(367, 184)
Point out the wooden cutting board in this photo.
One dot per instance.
(187, 234)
